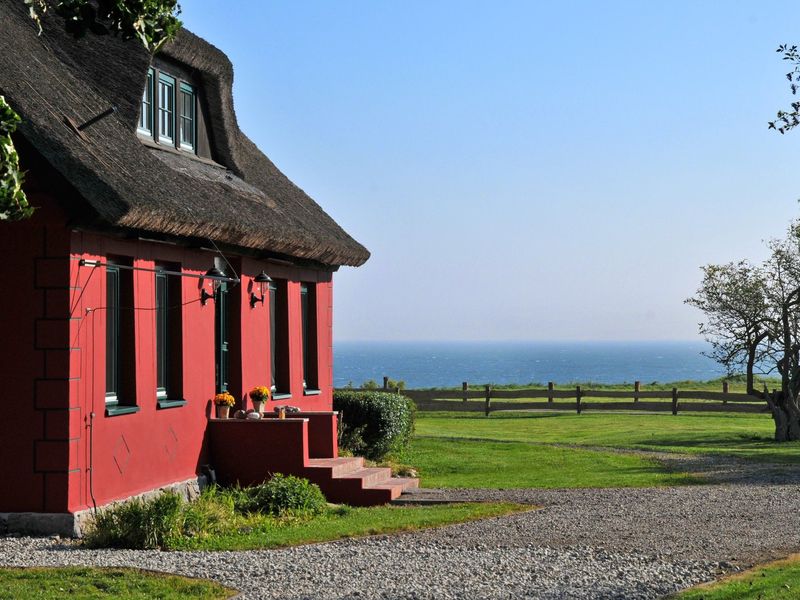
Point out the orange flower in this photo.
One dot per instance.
(224, 399)
(260, 393)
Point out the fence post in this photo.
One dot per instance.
(636, 389)
(464, 388)
(488, 399)
(385, 382)
(674, 401)
(578, 398)
(724, 391)
(549, 391)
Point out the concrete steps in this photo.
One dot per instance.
(348, 481)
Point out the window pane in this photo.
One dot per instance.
(304, 317)
(187, 119)
(308, 311)
(146, 108)
(166, 107)
(279, 335)
(222, 341)
(112, 334)
(162, 333)
(273, 335)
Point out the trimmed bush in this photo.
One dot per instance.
(138, 524)
(374, 424)
(282, 495)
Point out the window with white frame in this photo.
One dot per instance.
(146, 112)
(166, 108)
(168, 112)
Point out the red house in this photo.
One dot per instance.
(168, 260)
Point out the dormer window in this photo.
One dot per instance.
(170, 113)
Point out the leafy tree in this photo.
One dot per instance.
(733, 298)
(782, 292)
(152, 22)
(753, 317)
(787, 120)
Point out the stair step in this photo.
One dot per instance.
(370, 476)
(405, 483)
(394, 487)
(337, 466)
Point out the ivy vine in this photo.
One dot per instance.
(13, 202)
(152, 22)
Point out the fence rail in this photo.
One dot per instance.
(487, 399)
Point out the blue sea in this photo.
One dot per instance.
(433, 364)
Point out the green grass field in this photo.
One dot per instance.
(261, 532)
(93, 583)
(526, 449)
(778, 580)
(452, 462)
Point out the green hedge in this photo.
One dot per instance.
(374, 424)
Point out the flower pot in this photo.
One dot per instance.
(258, 405)
(222, 411)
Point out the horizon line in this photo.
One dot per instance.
(518, 341)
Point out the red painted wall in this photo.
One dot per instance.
(60, 451)
(37, 423)
(132, 453)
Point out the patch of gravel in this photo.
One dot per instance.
(737, 525)
(453, 566)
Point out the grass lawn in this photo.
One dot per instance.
(528, 449)
(485, 463)
(773, 581)
(259, 531)
(84, 582)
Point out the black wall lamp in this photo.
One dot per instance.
(216, 277)
(262, 279)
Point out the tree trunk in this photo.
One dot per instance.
(751, 361)
(786, 416)
(779, 417)
(793, 415)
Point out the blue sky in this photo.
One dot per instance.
(522, 170)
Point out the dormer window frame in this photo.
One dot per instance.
(168, 111)
(146, 107)
(187, 130)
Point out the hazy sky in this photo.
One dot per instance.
(522, 170)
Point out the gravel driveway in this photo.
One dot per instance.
(614, 543)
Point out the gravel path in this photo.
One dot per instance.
(612, 543)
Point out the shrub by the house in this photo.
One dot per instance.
(138, 524)
(282, 495)
(374, 424)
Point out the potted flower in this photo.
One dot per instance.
(259, 395)
(223, 401)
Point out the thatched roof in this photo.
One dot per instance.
(130, 187)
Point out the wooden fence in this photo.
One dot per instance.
(488, 399)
